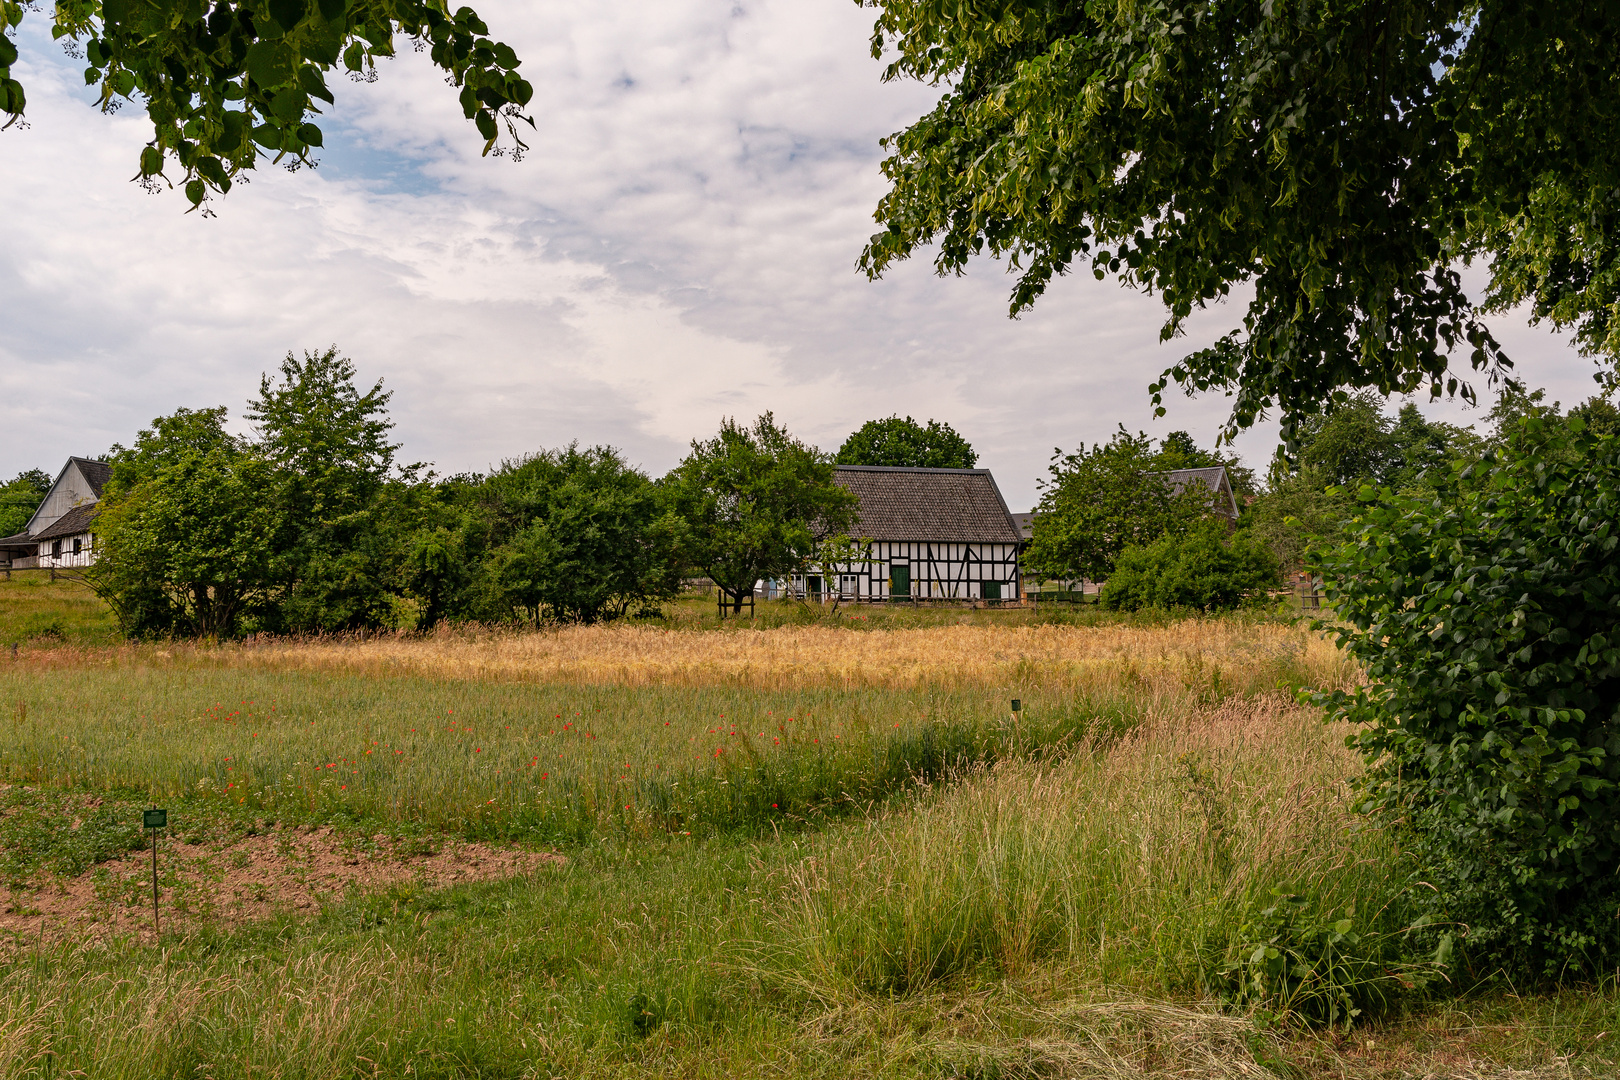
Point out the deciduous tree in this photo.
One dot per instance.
(188, 549)
(1487, 618)
(20, 498)
(1338, 162)
(756, 503)
(1099, 501)
(582, 536)
(897, 442)
(332, 478)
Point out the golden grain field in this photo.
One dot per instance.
(787, 657)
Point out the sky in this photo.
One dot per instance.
(678, 246)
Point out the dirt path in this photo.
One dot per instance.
(251, 878)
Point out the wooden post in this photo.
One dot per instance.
(157, 929)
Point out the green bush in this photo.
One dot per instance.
(1205, 569)
(1490, 720)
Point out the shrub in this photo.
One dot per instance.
(1203, 569)
(1490, 720)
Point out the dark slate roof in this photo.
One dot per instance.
(75, 521)
(1026, 524)
(19, 540)
(96, 473)
(1211, 479)
(943, 505)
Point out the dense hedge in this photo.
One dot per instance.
(1486, 617)
(1204, 568)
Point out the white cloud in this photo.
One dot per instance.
(678, 245)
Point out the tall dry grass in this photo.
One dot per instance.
(1137, 857)
(1076, 657)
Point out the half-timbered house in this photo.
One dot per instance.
(61, 533)
(934, 534)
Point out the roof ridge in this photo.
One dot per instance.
(909, 468)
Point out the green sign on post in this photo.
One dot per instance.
(155, 820)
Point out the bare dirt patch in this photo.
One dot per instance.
(253, 877)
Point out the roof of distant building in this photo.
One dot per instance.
(1213, 478)
(941, 505)
(96, 473)
(75, 521)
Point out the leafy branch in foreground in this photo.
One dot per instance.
(1339, 160)
(227, 82)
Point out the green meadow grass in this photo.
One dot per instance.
(547, 764)
(815, 882)
(35, 610)
(1067, 917)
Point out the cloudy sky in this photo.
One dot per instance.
(678, 246)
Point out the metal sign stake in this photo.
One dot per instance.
(155, 820)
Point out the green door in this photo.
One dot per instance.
(991, 590)
(899, 581)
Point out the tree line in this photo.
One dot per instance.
(313, 524)
(1107, 514)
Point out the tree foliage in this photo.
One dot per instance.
(20, 498)
(1205, 568)
(581, 536)
(1487, 616)
(327, 445)
(1338, 160)
(227, 82)
(1098, 502)
(906, 443)
(756, 503)
(186, 539)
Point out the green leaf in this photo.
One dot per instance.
(270, 63)
(151, 161)
(310, 79)
(288, 105)
(195, 190)
(235, 125)
(310, 134)
(212, 171)
(333, 10)
(288, 13)
(486, 124)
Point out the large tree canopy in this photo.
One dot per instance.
(908, 444)
(1340, 159)
(226, 82)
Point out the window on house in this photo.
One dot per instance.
(76, 546)
(56, 549)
